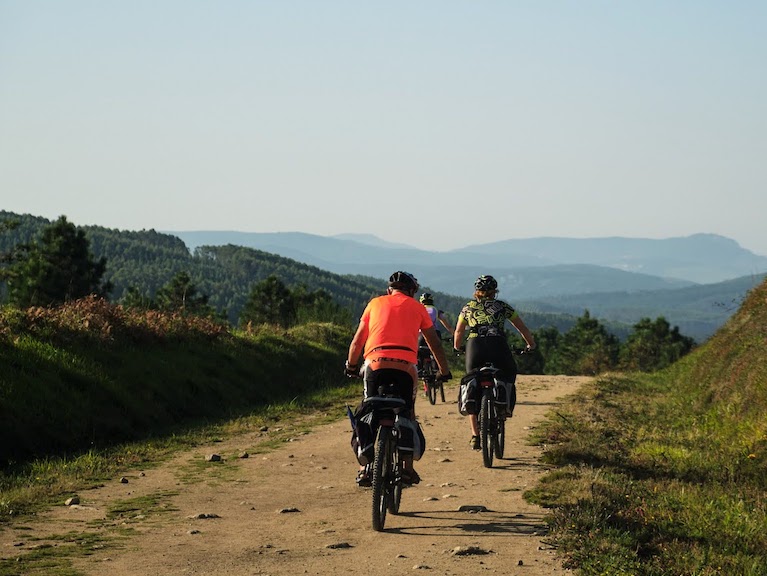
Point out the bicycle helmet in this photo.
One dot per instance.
(485, 283)
(404, 281)
(426, 298)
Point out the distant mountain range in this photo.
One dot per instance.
(695, 282)
(526, 268)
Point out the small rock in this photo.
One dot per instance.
(123, 480)
(338, 546)
(142, 474)
(73, 501)
(288, 510)
(244, 455)
(468, 551)
(193, 532)
(421, 567)
(264, 429)
(472, 509)
(213, 458)
(203, 516)
(520, 563)
(430, 499)
(445, 460)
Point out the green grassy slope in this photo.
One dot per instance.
(89, 374)
(667, 473)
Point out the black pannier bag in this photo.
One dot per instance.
(467, 395)
(411, 437)
(505, 394)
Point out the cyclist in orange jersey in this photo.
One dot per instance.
(387, 339)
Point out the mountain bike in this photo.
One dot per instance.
(492, 410)
(491, 415)
(429, 373)
(386, 472)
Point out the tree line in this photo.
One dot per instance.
(59, 265)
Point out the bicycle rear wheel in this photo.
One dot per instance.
(485, 429)
(500, 436)
(381, 463)
(432, 386)
(394, 481)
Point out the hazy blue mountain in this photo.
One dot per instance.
(698, 310)
(372, 240)
(701, 258)
(696, 282)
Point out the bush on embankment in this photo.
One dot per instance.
(91, 374)
(666, 474)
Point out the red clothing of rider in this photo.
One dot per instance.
(390, 325)
(387, 338)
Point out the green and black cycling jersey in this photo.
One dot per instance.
(487, 317)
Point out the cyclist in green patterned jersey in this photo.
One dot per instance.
(485, 319)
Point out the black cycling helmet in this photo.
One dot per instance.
(426, 298)
(485, 283)
(404, 281)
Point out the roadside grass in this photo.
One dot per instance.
(55, 559)
(666, 474)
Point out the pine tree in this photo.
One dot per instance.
(57, 268)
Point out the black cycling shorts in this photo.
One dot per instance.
(493, 349)
(401, 381)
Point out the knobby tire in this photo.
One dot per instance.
(381, 474)
(500, 436)
(487, 437)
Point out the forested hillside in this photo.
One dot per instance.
(147, 260)
(698, 310)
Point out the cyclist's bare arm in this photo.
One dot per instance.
(460, 328)
(524, 331)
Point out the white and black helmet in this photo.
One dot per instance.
(485, 283)
(403, 281)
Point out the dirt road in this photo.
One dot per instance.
(297, 510)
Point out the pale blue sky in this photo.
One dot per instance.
(434, 123)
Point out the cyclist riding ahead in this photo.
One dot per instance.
(485, 317)
(436, 315)
(387, 338)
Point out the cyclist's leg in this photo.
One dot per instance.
(476, 356)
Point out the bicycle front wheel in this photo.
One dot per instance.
(485, 429)
(381, 473)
